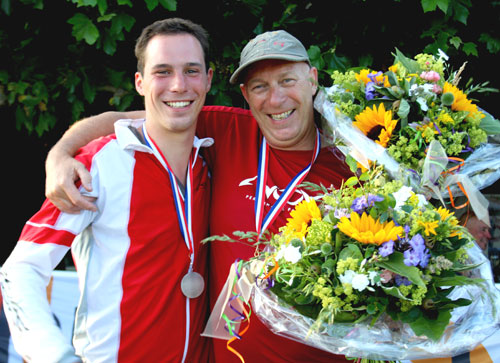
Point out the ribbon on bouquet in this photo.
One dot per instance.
(232, 308)
(435, 166)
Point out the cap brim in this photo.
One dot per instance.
(234, 78)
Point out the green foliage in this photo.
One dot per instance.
(67, 59)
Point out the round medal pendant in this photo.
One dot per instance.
(192, 285)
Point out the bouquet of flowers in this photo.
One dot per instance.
(370, 270)
(412, 106)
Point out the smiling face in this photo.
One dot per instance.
(480, 231)
(280, 95)
(174, 82)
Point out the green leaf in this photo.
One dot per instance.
(470, 49)
(395, 263)
(489, 124)
(404, 109)
(429, 5)
(151, 4)
(393, 80)
(89, 91)
(102, 5)
(84, 28)
(461, 12)
(353, 164)
(85, 2)
(456, 42)
(432, 328)
(394, 291)
(443, 5)
(304, 299)
(351, 181)
(410, 64)
(129, 3)
(492, 44)
(457, 280)
(351, 250)
(170, 5)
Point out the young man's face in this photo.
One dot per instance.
(174, 82)
(280, 95)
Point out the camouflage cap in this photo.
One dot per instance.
(270, 45)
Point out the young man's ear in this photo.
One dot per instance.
(138, 83)
(210, 75)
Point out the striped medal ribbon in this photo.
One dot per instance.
(192, 283)
(263, 222)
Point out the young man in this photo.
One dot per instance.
(279, 84)
(139, 261)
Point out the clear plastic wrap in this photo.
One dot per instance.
(384, 340)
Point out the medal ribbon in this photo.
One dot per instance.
(261, 222)
(182, 201)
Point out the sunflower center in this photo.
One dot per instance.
(374, 132)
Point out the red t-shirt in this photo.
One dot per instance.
(233, 160)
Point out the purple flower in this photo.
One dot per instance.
(341, 212)
(425, 258)
(418, 254)
(373, 77)
(401, 280)
(386, 249)
(361, 203)
(411, 258)
(374, 198)
(417, 243)
(370, 92)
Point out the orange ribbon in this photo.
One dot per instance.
(231, 349)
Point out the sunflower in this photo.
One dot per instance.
(365, 229)
(377, 124)
(460, 102)
(301, 217)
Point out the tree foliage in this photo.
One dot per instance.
(63, 60)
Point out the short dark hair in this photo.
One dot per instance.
(168, 27)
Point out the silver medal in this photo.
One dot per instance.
(192, 285)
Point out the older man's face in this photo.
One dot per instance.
(480, 231)
(280, 95)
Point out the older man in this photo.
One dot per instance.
(277, 143)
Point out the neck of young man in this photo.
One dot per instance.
(176, 147)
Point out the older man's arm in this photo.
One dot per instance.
(63, 171)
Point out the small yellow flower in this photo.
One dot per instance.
(362, 76)
(394, 68)
(444, 213)
(430, 227)
(301, 217)
(426, 126)
(445, 118)
(365, 229)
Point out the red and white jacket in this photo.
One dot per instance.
(130, 258)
